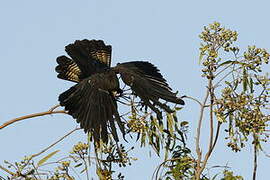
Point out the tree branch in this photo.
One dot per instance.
(50, 111)
(255, 156)
(198, 150)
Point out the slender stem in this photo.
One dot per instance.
(221, 71)
(209, 152)
(98, 164)
(86, 168)
(53, 144)
(38, 174)
(156, 172)
(192, 98)
(54, 107)
(211, 142)
(216, 136)
(255, 156)
(226, 75)
(211, 91)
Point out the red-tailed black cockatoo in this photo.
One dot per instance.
(92, 101)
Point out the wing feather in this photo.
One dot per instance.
(148, 83)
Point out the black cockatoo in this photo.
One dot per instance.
(92, 101)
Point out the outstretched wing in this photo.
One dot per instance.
(92, 104)
(87, 58)
(147, 82)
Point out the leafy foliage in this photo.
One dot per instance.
(243, 107)
(228, 175)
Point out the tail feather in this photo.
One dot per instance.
(81, 53)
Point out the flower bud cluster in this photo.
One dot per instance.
(255, 57)
(214, 38)
(80, 148)
(137, 124)
(244, 114)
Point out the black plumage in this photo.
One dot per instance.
(92, 100)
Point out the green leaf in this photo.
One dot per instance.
(83, 170)
(159, 125)
(251, 85)
(43, 160)
(170, 123)
(178, 108)
(201, 57)
(143, 138)
(229, 84)
(228, 62)
(166, 154)
(78, 165)
(215, 176)
(245, 79)
(235, 84)
(183, 123)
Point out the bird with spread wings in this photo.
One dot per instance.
(92, 100)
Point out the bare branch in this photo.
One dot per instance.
(51, 111)
(198, 150)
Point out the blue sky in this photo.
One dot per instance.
(34, 33)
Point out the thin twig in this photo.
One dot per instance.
(86, 168)
(226, 75)
(192, 98)
(211, 91)
(8, 171)
(51, 111)
(156, 172)
(36, 171)
(54, 107)
(53, 144)
(221, 71)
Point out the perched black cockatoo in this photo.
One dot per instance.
(92, 100)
